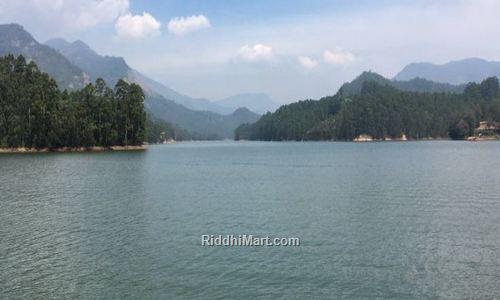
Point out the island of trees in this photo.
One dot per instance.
(35, 114)
(381, 112)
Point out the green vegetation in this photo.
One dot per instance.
(159, 131)
(17, 41)
(381, 111)
(202, 125)
(414, 85)
(34, 113)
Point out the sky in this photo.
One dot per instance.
(289, 49)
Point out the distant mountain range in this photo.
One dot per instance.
(200, 124)
(372, 107)
(15, 40)
(455, 72)
(413, 85)
(257, 102)
(111, 69)
(73, 65)
(202, 118)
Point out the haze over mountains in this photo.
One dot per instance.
(413, 85)
(111, 69)
(454, 72)
(256, 102)
(372, 107)
(73, 65)
(15, 40)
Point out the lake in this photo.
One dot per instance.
(400, 220)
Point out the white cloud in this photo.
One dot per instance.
(307, 62)
(57, 15)
(104, 11)
(257, 52)
(185, 25)
(338, 57)
(137, 26)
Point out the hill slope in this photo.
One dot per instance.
(200, 124)
(111, 69)
(161, 101)
(380, 111)
(455, 72)
(256, 102)
(17, 41)
(413, 85)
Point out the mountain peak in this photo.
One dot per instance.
(256, 102)
(355, 86)
(370, 75)
(57, 43)
(81, 44)
(62, 45)
(242, 110)
(15, 40)
(454, 72)
(111, 69)
(16, 33)
(416, 84)
(12, 26)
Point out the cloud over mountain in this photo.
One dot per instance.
(257, 52)
(74, 14)
(307, 62)
(185, 25)
(137, 26)
(338, 57)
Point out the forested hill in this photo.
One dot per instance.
(412, 85)
(34, 113)
(201, 125)
(382, 112)
(16, 41)
(164, 104)
(111, 69)
(454, 72)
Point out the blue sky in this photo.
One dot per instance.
(290, 50)
(227, 12)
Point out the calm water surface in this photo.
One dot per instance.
(376, 220)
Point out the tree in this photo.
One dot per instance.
(381, 111)
(34, 113)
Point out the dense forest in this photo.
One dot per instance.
(382, 112)
(413, 85)
(34, 113)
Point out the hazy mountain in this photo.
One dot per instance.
(380, 112)
(455, 72)
(413, 85)
(111, 69)
(201, 124)
(256, 102)
(161, 101)
(155, 87)
(17, 41)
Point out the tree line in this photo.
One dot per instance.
(381, 111)
(34, 113)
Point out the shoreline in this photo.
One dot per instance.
(470, 139)
(73, 149)
(482, 138)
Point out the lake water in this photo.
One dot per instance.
(375, 220)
